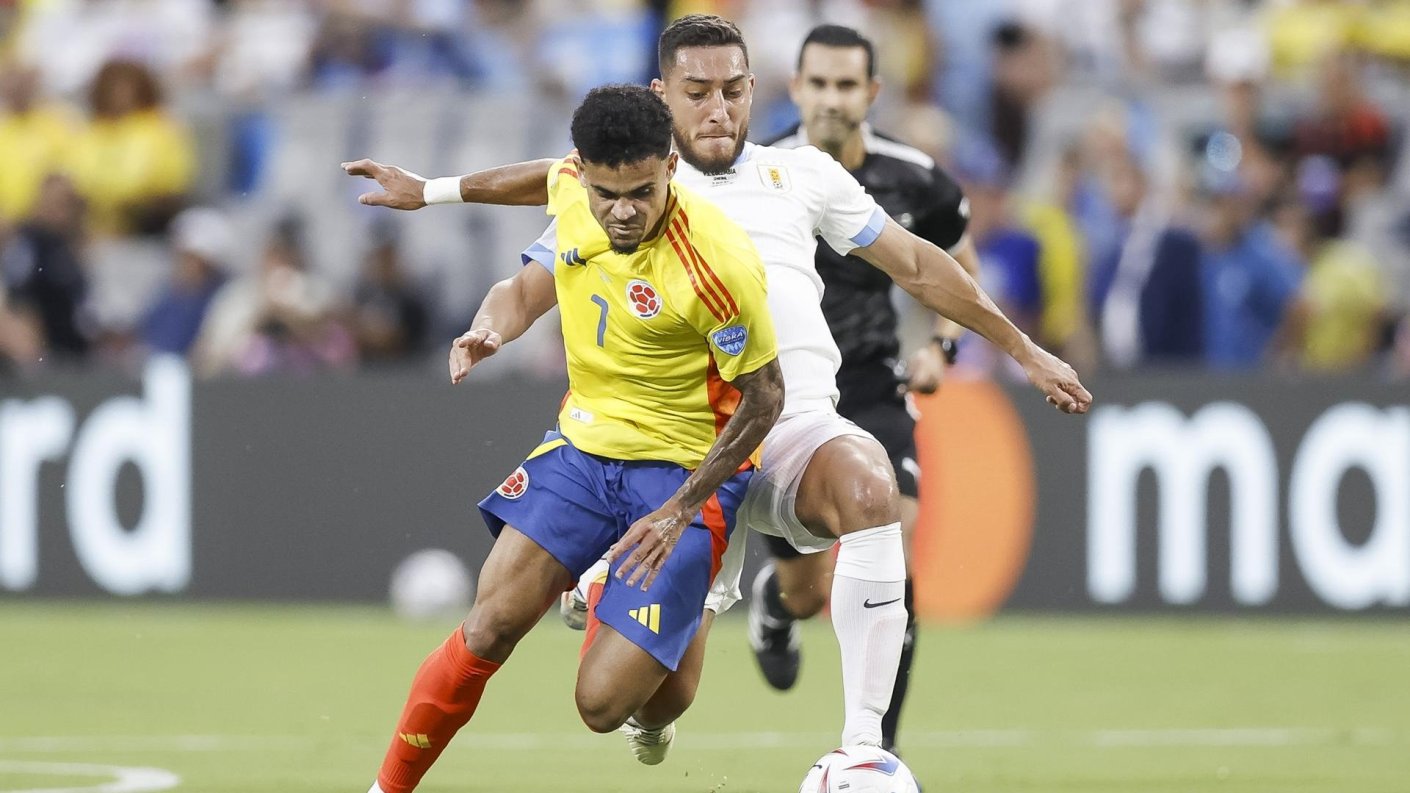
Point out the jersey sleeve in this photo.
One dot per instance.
(545, 248)
(946, 213)
(730, 307)
(850, 217)
(563, 185)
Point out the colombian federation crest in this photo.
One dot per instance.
(774, 177)
(516, 485)
(643, 299)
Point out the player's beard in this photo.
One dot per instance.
(710, 165)
(625, 248)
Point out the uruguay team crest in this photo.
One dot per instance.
(643, 299)
(774, 177)
(516, 485)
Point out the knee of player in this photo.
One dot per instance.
(871, 498)
(857, 484)
(806, 601)
(600, 711)
(486, 629)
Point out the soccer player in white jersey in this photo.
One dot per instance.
(824, 480)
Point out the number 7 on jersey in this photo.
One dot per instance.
(602, 319)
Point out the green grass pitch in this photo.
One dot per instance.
(264, 699)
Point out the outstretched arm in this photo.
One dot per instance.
(968, 258)
(653, 537)
(519, 184)
(939, 282)
(510, 308)
(925, 369)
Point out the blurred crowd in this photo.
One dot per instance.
(1152, 183)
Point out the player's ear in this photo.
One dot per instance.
(873, 90)
(795, 85)
(658, 87)
(672, 160)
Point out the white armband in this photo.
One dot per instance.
(445, 190)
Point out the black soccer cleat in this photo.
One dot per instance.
(773, 633)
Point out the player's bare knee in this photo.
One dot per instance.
(599, 710)
(850, 486)
(870, 499)
(805, 602)
(491, 632)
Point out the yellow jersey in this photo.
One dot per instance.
(119, 163)
(654, 337)
(36, 144)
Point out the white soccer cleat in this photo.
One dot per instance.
(573, 610)
(649, 746)
(573, 605)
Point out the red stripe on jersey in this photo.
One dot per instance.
(569, 171)
(713, 516)
(695, 263)
(695, 283)
(729, 298)
(716, 287)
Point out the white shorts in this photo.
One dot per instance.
(768, 503)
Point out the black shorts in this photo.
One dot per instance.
(891, 423)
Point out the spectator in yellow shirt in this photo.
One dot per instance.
(34, 138)
(133, 162)
(1345, 300)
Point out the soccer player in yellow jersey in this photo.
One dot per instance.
(673, 383)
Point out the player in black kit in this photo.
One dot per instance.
(834, 88)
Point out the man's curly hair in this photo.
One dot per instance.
(620, 124)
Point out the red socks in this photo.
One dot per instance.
(444, 695)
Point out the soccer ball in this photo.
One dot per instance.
(431, 584)
(859, 769)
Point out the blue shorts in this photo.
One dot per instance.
(576, 505)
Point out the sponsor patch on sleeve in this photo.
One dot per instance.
(731, 340)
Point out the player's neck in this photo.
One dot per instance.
(660, 227)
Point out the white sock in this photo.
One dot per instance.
(376, 788)
(869, 617)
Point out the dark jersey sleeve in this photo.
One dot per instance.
(947, 215)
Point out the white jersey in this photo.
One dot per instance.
(785, 199)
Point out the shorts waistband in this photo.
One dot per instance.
(810, 405)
